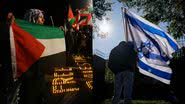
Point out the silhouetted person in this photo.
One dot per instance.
(122, 62)
(69, 38)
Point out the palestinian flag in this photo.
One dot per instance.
(84, 17)
(32, 42)
(71, 17)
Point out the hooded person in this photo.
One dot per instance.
(34, 87)
(35, 16)
(122, 62)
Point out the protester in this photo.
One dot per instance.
(70, 42)
(122, 62)
(34, 88)
(6, 76)
(35, 16)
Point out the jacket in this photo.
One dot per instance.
(122, 57)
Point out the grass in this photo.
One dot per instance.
(108, 101)
(150, 102)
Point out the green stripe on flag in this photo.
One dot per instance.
(40, 31)
(72, 21)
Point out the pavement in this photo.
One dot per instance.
(71, 85)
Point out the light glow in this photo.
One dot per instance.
(104, 28)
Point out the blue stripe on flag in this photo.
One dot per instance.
(151, 29)
(154, 71)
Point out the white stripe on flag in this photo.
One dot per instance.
(154, 76)
(153, 65)
(53, 46)
(13, 54)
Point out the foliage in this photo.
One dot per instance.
(109, 75)
(170, 11)
(100, 8)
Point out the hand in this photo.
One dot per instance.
(61, 27)
(10, 18)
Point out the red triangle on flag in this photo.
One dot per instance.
(28, 49)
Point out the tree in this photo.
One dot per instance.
(170, 11)
(100, 8)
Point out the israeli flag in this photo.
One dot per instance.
(155, 47)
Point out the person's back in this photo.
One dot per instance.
(122, 57)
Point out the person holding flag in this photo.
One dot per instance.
(6, 73)
(34, 76)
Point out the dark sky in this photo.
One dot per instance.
(58, 9)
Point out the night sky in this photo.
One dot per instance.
(58, 9)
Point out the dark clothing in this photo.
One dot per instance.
(122, 57)
(34, 89)
(6, 77)
(122, 62)
(123, 84)
(69, 37)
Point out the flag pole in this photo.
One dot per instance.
(124, 22)
(52, 21)
(126, 28)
